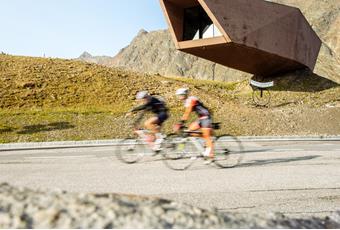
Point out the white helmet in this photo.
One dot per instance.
(182, 92)
(142, 95)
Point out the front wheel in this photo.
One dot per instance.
(179, 153)
(228, 152)
(131, 150)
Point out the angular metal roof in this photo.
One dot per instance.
(258, 37)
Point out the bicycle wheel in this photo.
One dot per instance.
(179, 153)
(261, 97)
(228, 152)
(131, 150)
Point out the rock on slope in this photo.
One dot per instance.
(101, 60)
(155, 52)
(26, 208)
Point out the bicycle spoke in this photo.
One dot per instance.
(261, 97)
(228, 154)
(179, 153)
(130, 150)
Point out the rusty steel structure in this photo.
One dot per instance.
(254, 36)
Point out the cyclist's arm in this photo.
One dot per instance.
(139, 108)
(187, 112)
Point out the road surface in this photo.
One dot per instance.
(297, 178)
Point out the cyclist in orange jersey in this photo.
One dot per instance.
(204, 122)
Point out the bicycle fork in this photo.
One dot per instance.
(196, 142)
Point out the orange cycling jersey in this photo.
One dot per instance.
(194, 104)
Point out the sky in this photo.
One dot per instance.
(67, 28)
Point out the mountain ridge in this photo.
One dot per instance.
(154, 52)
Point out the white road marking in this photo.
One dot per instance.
(281, 150)
(61, 157)
(103, 150)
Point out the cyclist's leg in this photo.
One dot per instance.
(155, 126)
(206, 126)
(162, 117)
(152, 125)
(194, 127)
(207, 135)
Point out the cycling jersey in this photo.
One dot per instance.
(194, 104)
(154, 105)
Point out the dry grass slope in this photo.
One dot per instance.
(54, 99)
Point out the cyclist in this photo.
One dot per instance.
(204, 122)
(158, 107)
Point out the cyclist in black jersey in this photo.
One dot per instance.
(156, 106)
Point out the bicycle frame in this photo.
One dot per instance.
(138, 141)
(197, 142)
(188, 147)
(196, 138)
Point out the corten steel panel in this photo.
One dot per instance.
(260, 37)
(245, 58)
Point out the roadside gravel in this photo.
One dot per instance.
(26, 208)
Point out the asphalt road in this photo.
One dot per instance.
(294, 178)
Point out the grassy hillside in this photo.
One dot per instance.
(54, 99)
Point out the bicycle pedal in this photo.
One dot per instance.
(130, 149)
(157, 148)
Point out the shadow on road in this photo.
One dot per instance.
(277, 161)
(256, 151)
(46, 128)
(284, 104)
(6, 130)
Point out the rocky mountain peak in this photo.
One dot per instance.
(85, 55)
(142, 32)
(155, 52)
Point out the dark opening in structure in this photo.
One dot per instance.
(198, 25)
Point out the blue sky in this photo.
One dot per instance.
(66, 28)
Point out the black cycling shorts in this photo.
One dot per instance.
(205, 123)
(162, 117)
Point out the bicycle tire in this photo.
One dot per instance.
(229, 152)
(261, 97)
(131, 150)
(179, 153)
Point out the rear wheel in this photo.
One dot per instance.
(131, 150)
(179, 153)
(228, 152)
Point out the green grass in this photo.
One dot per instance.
(66, 124)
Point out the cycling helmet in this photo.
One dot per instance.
(182, 92)
(142, 95)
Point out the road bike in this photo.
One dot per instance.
(132, 150)
(179, 150)
(184, 148)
